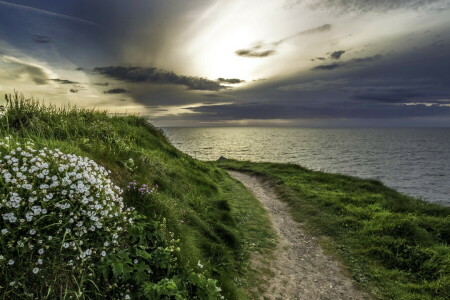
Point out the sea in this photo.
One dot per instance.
(414, 161)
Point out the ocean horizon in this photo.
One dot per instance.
(414, 161)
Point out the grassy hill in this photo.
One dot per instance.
(158, 224)
(200, 226)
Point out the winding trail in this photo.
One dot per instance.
(301, 269)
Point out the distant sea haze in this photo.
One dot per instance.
(413, 161)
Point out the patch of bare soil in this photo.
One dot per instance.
(301, 270)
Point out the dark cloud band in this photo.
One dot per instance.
(116, 91)
(230, 80)
(351, 62)
(134, 74)
(64, 81)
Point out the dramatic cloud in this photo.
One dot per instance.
(136, 74)
(230, 80)
(417, 91)
(337, 54)
(64, 81)
(324, 71)
(275, 110)
(267, 49)
(349, 63)
(116, 91)
(18, 69)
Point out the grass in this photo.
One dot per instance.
(217, 221)
(395, 246)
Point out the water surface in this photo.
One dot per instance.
(413, 161)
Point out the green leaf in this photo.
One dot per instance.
(144, 254)
(141, 272)
(118, 268)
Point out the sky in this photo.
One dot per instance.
(311, 63)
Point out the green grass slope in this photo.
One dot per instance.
(395, 246)
(213, 217)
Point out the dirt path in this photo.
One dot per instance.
(301, 269)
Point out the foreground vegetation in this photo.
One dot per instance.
(395, 246)
(94, 206)
(153, 224)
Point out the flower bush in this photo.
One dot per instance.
(58, 212)
(65, 233)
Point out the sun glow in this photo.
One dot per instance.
(212, 41)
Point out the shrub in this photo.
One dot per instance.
(65, 233)
(59, 215)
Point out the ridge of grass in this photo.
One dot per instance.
(218, 223)
(395, 246)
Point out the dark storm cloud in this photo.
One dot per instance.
(146, 32)
(116, 91)
(328, 66)
(394, 87)
(416, 91)
(337, 54)
(41, 39)
(254, 52)
(267, 49)
(230, 80)
(351, 62)
(365, 5)
(134, 74)
(389, 96)
(64, 81)
(289, 110)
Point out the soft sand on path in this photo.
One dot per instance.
(301, 269)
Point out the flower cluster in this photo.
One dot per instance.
(143, 189)
(55, 206)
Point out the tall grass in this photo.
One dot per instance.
(194, 200)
